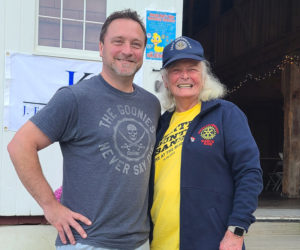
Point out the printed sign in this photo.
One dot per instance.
(30, 82)
(161, 30)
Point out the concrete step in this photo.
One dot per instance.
(274, 235)
(262, 235)
(27, 237)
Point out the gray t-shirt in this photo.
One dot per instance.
(107, 139)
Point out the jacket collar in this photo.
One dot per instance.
(206, 107)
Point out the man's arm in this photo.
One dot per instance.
(23, 151)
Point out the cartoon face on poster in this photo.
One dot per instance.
(161, 30)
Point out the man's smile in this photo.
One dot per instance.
(126, 60)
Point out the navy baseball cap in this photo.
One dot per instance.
(182, 48)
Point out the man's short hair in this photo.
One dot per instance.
(123, 14)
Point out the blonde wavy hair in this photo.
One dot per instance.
(212, 87)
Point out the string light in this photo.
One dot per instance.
(278, 68)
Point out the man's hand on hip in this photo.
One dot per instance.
(62, 218)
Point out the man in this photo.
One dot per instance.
(106, 129)
(206, 175)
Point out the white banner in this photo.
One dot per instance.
(30, 81)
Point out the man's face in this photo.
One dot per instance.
(184, 80)
(123, 48)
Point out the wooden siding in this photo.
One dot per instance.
(250, 26)
(18, 34)
(291, 161)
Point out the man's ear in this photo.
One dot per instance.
(101, 48)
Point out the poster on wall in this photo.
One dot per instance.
(30, 82)
(161, 30)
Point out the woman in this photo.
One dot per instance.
(206, 175)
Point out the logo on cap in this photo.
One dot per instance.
(180, 45)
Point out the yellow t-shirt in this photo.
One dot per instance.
(166, 200)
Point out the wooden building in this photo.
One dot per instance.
(60, 31)
(254, 48)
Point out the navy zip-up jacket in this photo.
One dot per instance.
(221, 176)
